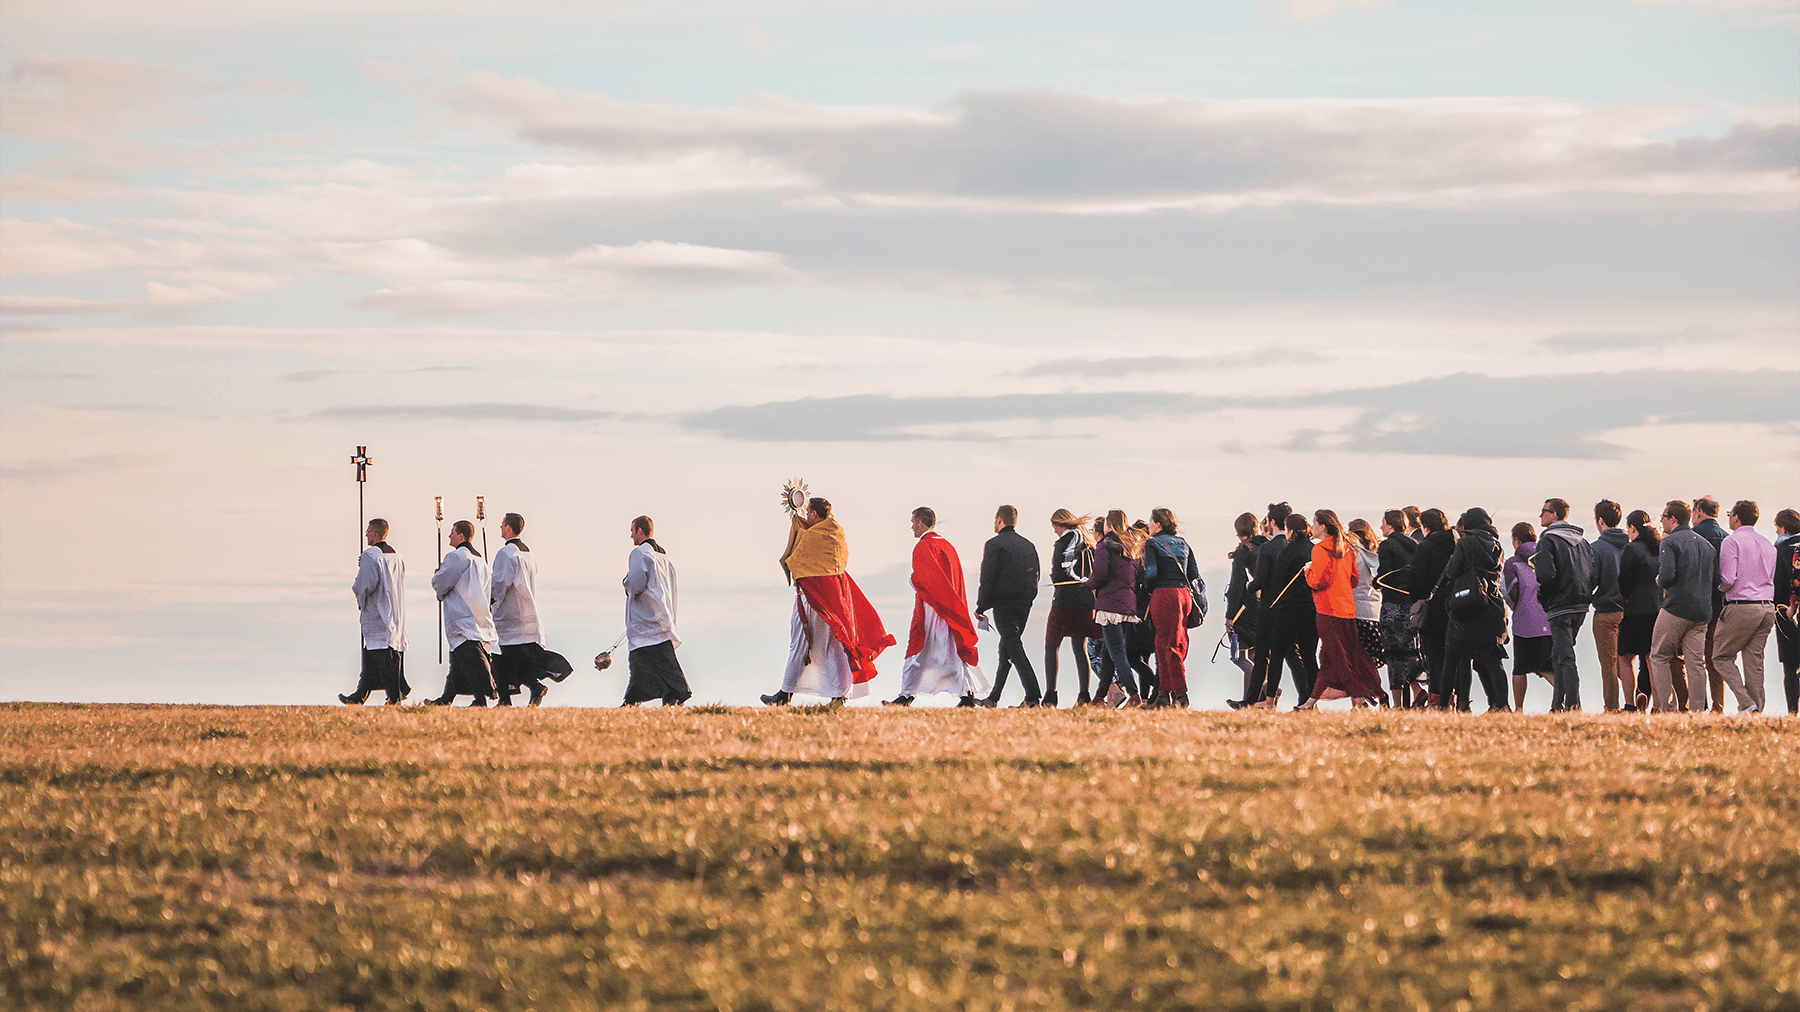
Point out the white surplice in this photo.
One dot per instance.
(827, 671)
(461, 583)
(380, 589)
(937, 667)
(513, 590)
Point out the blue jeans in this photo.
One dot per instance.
(1565, 692)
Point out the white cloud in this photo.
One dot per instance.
(1041, 150)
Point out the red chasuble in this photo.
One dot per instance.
(851, 618)
(937, 579)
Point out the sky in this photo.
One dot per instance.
(596, 260)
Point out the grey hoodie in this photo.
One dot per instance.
(1609, 548)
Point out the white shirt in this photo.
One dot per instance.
(461, 582)
(380, 589)
(514, 595)
(1365, 593)
(649, 598)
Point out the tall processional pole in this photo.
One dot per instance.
(481, 517)
(440, 610)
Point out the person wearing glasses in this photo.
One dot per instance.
(1687, 567)
(1567, 579)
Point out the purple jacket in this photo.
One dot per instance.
(1519, 583)
(1114, 579)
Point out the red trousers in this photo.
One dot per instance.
(1168, 612)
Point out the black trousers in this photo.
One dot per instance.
(471, 673)
(1010, 620)
(383, 669)
(1291, 637)
(656, 674)
(1431, 643)
(1484, 659)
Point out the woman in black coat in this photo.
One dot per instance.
(1423, 573)
(1643, 599)
(1474, 629)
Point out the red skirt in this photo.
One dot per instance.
(1345, 668)
(1067, 622)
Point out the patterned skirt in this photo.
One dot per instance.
(1368, 633)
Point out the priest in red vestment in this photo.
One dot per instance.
(836, 634)
(941, 652)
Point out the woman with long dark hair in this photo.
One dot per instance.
(1643, 599)
(1117, 562)
(1169, 572)
(1345, 669)
(1241, 613)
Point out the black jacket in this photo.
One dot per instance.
(1262, 568)
(1237, 592)
(1712, 532)
(1071, 562)
(1396, 553)
(1288, 593)
(1637, 578)
(1009, 571)
(1428, 566)
(1566, 574)
(1478, 551)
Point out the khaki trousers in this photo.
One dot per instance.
(1743, 628)
(1674, 633)
(1606, 644)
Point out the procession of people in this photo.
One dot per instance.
(1682, 611)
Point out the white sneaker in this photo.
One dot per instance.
(1744, 711)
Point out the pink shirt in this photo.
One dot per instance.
(1747, 566)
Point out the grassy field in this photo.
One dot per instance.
(202, 858)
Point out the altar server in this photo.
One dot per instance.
(523, 661)
(461, 583)
(650, 622)
(380, 589)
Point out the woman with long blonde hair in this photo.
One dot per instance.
(1117, 561)
(1344, 668)
(1071, 603)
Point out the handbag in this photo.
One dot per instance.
(1415, 619)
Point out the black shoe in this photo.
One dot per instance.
(1049, 701)
(898, 701)
(537, 695)
(837, 703)
(671, 701)
(441, 701)
(967, 702)
(1028, 704)
(350, 700)
(987, 702)
(1237, 704)
(1083, 699)
(394, 701)
(778, 699)
(503, 701)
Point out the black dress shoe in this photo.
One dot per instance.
(987, 702)
(1049, 701)
(350, 700)
(778, 699)
(1083, 699)
(394, 701)
(537, 695)
(967, 702)
(502, 701)
(441, 701)
(898, 701)
(1029, 704)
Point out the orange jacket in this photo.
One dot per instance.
(1331, 581)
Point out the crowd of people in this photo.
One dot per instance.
(1682, 610)
(1682, 607)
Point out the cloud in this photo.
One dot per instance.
(878, 417)
(467, 412)
(51, 470)
(1463, 415)
(1584, 342)
(1112, 368)
(1471, 415)
(1035, 149)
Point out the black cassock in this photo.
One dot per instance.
(656, 674)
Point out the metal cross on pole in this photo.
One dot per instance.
(362, 461)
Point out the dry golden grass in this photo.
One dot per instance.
(215, 858)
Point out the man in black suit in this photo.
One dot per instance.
(1292, 623)
(1009, 583)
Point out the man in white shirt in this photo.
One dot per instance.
(523, 661)
(650, 622)
(380, 589)
(461, 583)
